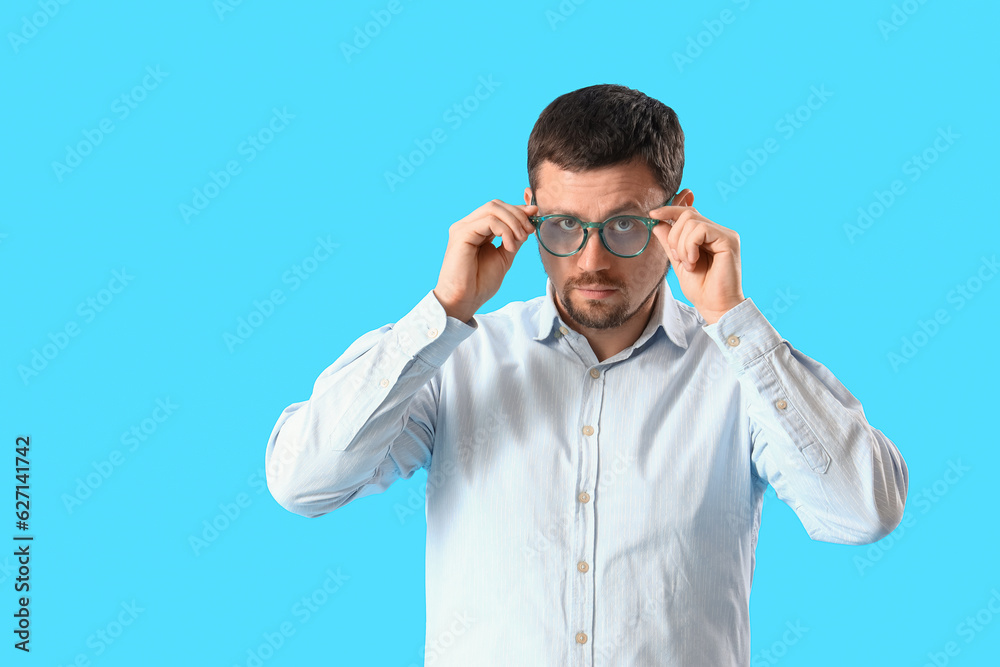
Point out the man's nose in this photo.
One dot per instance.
(593, 256)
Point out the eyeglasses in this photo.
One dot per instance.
(623, 235)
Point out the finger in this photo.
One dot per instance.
(662, 233)
(668, 212)
(483, 228)
(516, 220)
(515, 216)
(503, 217)
(529, 210)
(676, 230)
(675, 261)
(675, 217)
(706, 239)
(688, 245)
(509, 235)
(507, 256)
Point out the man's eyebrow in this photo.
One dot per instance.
(628, 207)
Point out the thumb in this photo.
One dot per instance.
(661, 232)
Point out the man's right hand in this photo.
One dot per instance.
(473, 267)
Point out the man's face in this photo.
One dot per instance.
(595, 288)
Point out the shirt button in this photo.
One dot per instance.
(588, 430)
(583, 567)
(384, 383)
(733, 341)
(584, 497)
(432, 333)
(581, 638)
(781, 404)
(563, 330)
(594, 373)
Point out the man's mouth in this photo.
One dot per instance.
(596, 291)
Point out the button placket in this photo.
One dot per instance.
(587, 437)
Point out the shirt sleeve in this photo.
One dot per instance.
(370, 419)
(845, 480)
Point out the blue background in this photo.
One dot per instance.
(848, 299)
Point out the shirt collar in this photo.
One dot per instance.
(666, 314)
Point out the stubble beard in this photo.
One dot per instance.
(599, 315)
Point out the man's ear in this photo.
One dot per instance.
(684, 198)
(527, 195)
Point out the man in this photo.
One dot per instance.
(596, 457)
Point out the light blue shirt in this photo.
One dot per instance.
(583, 513)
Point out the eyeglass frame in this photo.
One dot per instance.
(537, 221)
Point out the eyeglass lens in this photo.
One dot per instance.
(624, 235)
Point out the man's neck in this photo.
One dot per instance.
(606, 343)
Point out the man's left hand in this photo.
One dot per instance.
(705, 257)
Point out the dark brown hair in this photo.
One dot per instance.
(605, 125)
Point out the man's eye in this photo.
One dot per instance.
(566, 224)
(624, 224)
